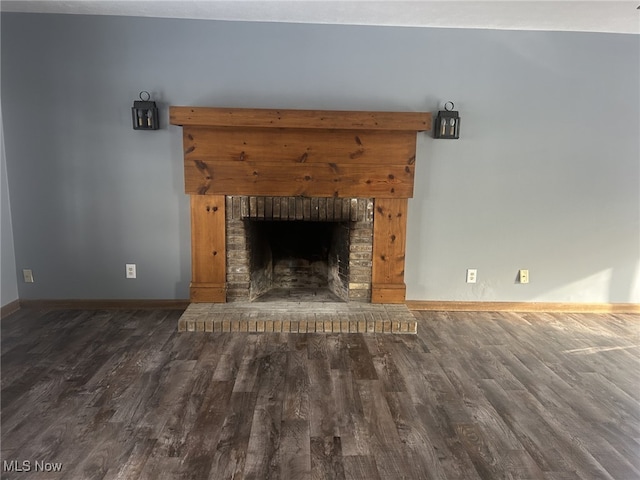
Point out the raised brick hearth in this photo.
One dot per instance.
(299, 317)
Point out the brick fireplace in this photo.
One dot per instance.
(297, 200)
(311, 248)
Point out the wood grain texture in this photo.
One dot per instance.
(388, 292)
(314, 119)
(294, 146)
(389, 240)
(115, 304)
(207, 292)
(299, 179)
(557, 307)
(120, 394)
(208, 247)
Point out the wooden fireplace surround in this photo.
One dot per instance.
(308, 153)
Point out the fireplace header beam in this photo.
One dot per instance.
(309, 153)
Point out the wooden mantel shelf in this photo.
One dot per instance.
(307, 119)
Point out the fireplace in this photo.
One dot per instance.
(339, 181)
(307, 249)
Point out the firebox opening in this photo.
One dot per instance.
(304, 259)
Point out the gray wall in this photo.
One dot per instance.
(545, 177)
(8, 280)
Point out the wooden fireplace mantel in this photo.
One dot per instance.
(314, 119)
(304, 153)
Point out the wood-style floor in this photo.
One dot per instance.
(122, 395)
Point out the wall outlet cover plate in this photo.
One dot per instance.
(472, 275)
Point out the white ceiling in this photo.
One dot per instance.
(571, 15)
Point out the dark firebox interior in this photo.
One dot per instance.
(299, 258)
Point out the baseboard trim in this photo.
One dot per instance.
(105, 304)
(551, 307)
(9, 308)
(418, 305)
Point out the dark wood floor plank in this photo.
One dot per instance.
(264, 440)
(231, 451)
(424, 458)
(231, 356)
(294, 450)
(326, 458)
(161, 468)
(133, 466)
(385, 367)
(350, 421)
(322, 414)
(111, 446)
(194, 442)
(360, 468)
(386, 447)
(297, 383)
(122, 395)
(248, 370)
(338, 349)
(361, 360)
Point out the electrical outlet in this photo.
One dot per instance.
(28, 275)
(524, 276)
(131, 270)
(472, 274)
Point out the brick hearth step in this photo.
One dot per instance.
(297, 317)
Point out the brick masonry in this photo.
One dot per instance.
(357, 213)
(301, 317)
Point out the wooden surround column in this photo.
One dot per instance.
(208, 239)
(389, 233)
(298, 153)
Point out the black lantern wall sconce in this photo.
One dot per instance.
(145, 113)
(447, 124)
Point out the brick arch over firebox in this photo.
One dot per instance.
(304, 154)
